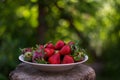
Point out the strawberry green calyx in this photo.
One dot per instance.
(38, 55)
(41, 61)
(75, 48)
(24, 50)
(77, 57)
(39, 47)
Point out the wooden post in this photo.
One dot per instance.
(42, 25)
(26, 72)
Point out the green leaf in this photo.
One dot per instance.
(41, 61)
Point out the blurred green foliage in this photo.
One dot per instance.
(93, 21)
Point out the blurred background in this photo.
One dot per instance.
(96, 23)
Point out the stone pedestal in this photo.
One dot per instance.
(26, 72)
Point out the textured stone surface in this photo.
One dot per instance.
(27, 72)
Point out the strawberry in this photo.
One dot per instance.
(41, 46)
(54, 59)
(26, 50)
(67, 59)
(38, 47)
(76, 52)
(59, 44)
(78, 56)
(70, 43)
(28, 56)
(49, 52)
(38, 56)
(50, 45)
(65, 50)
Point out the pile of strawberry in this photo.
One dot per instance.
(60, 53)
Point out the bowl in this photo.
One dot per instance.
(53, 67)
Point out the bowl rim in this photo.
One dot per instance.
(21, 58)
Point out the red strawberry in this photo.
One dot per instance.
(50, 45)
(71, 43)
(41, 46)
(26, 50)
(54, 59)
(37, 55)
(59, 44)
(67, 59)
(49, 52)
(65, 50)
